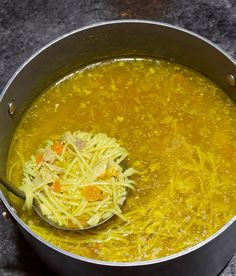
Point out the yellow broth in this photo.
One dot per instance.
(179, 129)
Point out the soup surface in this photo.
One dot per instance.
(180, 131)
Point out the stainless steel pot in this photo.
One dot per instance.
(106, 40)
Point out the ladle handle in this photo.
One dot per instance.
(12, 188)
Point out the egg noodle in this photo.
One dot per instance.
(78, 180)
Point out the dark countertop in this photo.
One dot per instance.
(26, 25)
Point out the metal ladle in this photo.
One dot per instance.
(19, 193)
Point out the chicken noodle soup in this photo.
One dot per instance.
(179, 129)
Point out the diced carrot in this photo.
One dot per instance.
(179, 78)
(57, 147)
(39, 157)
(56, 187)
(92, 193)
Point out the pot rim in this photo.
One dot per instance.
(78, 257)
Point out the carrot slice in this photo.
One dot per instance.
(57, 147)
(39, 158)
(92, 193)
(56, 187)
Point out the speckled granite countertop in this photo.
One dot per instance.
(27, 25)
